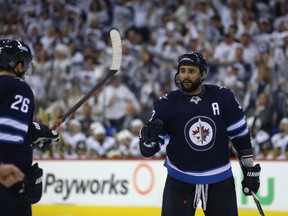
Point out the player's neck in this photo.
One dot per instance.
(6, 73)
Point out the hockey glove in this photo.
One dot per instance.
(31, 190)
(149, 133)
(43, 137)
(251, 181)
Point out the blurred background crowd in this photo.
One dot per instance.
(245, 43)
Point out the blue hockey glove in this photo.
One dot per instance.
(150, 133)
(251, 181)
(43, 137)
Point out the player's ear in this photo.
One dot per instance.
(19, 67)
(19, 70)
(203, 76)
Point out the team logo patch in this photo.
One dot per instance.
(200, 133)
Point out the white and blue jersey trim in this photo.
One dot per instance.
(211, 176)
(4, 121)
(16, 139)
(237, 125)
(238, 129)
(12, 131)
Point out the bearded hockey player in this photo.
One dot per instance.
(201, 121)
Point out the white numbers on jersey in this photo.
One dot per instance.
(21, 103)
(215, 107)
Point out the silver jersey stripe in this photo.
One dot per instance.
(13, 123)
(212, 172)
(243, 133)
(11, 138)
(236, 125)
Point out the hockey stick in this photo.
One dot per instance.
(116, 61)
(115, 66)
(256, 200)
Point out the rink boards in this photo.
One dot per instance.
(134, 187)
(124, 211)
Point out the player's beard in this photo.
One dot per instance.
(192, 87)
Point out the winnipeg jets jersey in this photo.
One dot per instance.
(200, 128)
(16, 116)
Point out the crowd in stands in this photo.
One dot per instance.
(245, 43)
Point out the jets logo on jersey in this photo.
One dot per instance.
(195, 99)
(200, 133)
(163, 97)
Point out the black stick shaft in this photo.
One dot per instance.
(93, 91)
(255, 198)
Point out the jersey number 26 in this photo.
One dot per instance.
(21, 103)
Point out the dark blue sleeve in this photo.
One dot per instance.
(16, 115)
(146, 150)
(237, 129)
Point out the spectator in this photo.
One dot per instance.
(69, 152)
(224, 54)
(250, 51)
(97, 11)
(261, 113)
(94, 34)
(128, 59)
(261, 78)
(113, 100)
(99, 144)
(34, 35)
(131, 114)
(60, 72)
(145, 70)
(123, 16)
(236, 24)
(141, 9)
(38, 87)
(66, 34)
(65, 101)
(42, 66)
(233, 82)
(124, 140)
(215, 30)
(260, 140)
(74, 139)
(49, 39)
(280, 101)
(250, 25)
(87, 77)
(265, 73)
(87, 118)
(135, 126)
(280, 141)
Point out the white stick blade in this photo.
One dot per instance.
(117, 49)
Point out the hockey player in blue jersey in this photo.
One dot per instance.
(18, 131)
(201, 121)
